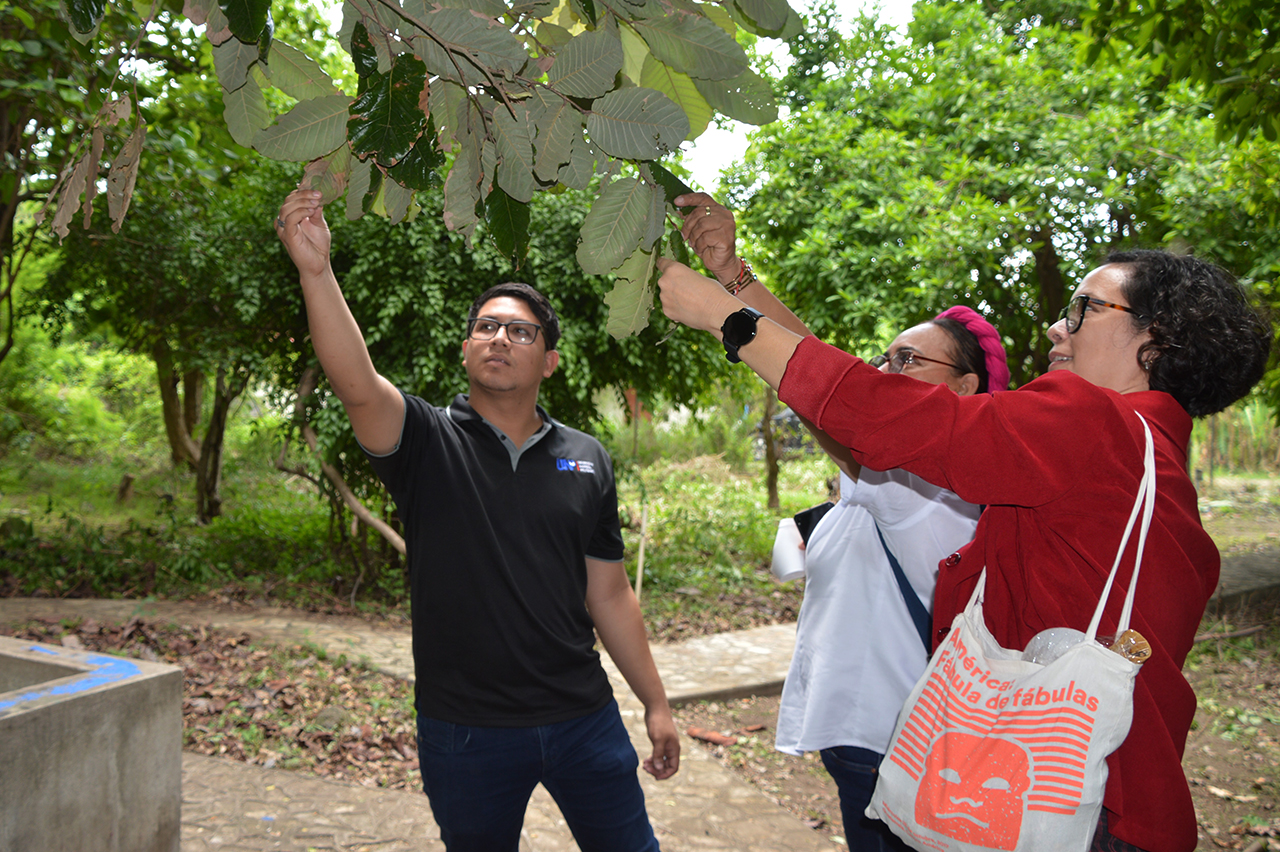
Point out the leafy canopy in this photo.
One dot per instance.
(1229, 48)
(981, 162)
(495, 103)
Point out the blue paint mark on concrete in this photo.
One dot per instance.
(107, 669)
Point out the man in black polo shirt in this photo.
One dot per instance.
(515, 556)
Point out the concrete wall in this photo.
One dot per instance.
(90, 751)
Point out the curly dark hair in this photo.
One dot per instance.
(537, 303)
(968, 354)
(1209, 344)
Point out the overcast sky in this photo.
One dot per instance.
(715, 149)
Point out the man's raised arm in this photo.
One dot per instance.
(373, 404)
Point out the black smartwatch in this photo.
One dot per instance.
(739, 329)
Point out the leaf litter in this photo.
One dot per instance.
(286, 706)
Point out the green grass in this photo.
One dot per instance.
(64, 533)
(709, 527)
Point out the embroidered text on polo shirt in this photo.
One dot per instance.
(580, 466)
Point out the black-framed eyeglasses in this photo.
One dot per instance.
(518, 331)
(1074, 312)
(904, 358)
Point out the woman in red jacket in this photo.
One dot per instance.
(1057, 462)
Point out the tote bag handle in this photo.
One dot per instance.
(1146, 501)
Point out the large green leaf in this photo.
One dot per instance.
(462, 186)
(631, 299)
(767, 15)
(217, 30)
(373, 198)
(358, 188)
(576, 174)
(793, 26)
(387, 119)
(488, 166)
(470, 42)
(232, 59)
(298, 75)
(720, 17)
(556, 123)
(311, 129)
(553, 36)
(615, 225)
(197, 11)
(513, 138)
(378, 17)
(656, 220)
(693, 45)
(363, 56)
(266, 38)
(672, 186)
(746, 98)
(396, 200)
(85, 15)
(680, 88)
(446, 103)
(329, 175)
(418, 170)
(587, 65)
(535, 8)
(584, 9)
(634, 53)
(637, 124)
(508, 221)
(246, 17)
(488, 8)
(245, 111)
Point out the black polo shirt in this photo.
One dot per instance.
(496, 538)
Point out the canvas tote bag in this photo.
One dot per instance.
(992, 751)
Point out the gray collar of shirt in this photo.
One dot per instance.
(510, 445)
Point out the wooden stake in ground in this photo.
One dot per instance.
(644, 514)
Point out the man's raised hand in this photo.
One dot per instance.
(301, 227)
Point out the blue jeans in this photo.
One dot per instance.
(855, 771)
(479, 781)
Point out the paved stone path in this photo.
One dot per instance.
(230, 806)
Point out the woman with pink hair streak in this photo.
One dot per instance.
(859, 650)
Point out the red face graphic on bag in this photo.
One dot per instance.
(973, 789)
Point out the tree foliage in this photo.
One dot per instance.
(495, 103)
(1227, 47)
(67, 111)
(979, 162)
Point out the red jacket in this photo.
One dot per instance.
(1057, 463)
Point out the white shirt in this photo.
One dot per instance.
(858, 654)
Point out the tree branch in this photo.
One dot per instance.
(307, 385)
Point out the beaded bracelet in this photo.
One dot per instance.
(745, 277)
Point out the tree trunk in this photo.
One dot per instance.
(209, 468)
(192, 399)
(770, 447)
(182, 447)
(1053, 290)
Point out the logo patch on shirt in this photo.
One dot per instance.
(580, 466)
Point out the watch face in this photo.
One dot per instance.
(739, 327)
